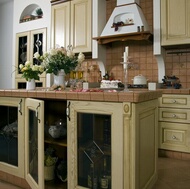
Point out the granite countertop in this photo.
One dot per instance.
(92, 95)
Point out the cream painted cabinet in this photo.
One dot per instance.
(12, 136)
(27, 43)
(175, 25)
(71, 25)
(124, 135)
(174, 123)
(34, 143)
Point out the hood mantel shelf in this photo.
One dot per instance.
(137, 36)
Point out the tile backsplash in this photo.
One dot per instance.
(141, 55)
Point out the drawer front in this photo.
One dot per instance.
(177, 101)
(174, 136)
(174, 115)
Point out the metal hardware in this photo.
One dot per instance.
(37, 112)
(20, 106)
(174, 101)
(68, 111)
(174, 137)
(174, 116)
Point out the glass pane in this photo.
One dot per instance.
(9, 135)
(33, 145)
(22, 52)
(94, 150)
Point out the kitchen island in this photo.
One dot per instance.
(134, 121)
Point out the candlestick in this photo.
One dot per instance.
(125, 59)
(127, 50)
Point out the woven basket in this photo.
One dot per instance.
(49, 172)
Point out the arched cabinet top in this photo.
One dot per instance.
(31, 12)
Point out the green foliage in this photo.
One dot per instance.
(49, 159)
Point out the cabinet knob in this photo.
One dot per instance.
(174, 137)
(174, 101)
(174, 116)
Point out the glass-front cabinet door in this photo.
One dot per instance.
(28, 43)
(95, 145)
(12, 136)
(34, 143)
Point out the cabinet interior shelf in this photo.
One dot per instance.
(60, 142)
(138, 36)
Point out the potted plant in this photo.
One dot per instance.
(39, 12)
(49, 164)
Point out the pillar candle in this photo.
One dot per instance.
(125, 58)
(127, 50)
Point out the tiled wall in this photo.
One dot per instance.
(142, 57)
(179, 65)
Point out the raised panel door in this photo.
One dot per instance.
(81, 36)
(60, 25)
(175, 27)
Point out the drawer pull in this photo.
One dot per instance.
(174, 101)
(174, 137)
(174, 116)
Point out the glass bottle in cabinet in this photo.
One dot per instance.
(93, 156)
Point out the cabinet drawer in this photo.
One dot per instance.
(177, 101)
(174, 136)
(174, 115)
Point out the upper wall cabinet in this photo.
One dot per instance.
(175, 25)
(27, 43)
(71, 25)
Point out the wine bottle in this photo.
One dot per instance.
(92, 178)
(105, 178)
(107, 76)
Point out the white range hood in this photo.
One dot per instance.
(129, 14)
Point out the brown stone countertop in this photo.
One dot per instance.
(118, 96)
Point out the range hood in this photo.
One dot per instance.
(127, 21)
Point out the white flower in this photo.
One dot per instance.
(45, 54)
(53, 52)
(35, 67)
(81, 57)
(70, 54)
(28, 63)
(41, 68)
(21, 66)
(36, 55)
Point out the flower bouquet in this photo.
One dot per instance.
(60, 59)
(30, 71)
